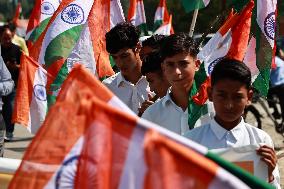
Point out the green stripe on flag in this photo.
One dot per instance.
(157, 24)
(246, 177)
(62, 45)
(38, 30)
(195, 111)
(263, 62)
(144, 29)
(191, 5)
(56, 85)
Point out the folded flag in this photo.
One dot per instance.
(31, 103)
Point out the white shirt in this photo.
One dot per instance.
(214, 136)
(132, 95)
(170, 116)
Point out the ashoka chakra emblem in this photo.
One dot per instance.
(40, 92)
(269, 25)
(212, 65)
(73, 14)
(47, 8)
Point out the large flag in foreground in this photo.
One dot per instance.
(191, 5)
(31, 103)
(136, 15)
(105, 145)
(227, 42)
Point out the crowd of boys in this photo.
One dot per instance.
(156, 77)
(154, 80)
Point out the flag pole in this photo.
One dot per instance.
(192, 26)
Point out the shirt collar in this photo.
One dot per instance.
(120, 79)
(220, 132)
(167, 98)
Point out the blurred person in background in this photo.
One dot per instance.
(277, 80)
(17, 40)
(11, 55)
(6, 87)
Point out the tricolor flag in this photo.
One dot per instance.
(161, 15)
(136, 15)
(227, 42)
(106, 146)
(40, 16)
(166, 28)
(191, 5)
(63, 36)
(31, 103)
(263, 41)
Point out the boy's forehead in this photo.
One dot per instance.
(229, 85)
(180, 57)
(122, 51)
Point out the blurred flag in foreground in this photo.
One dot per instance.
(90, 139)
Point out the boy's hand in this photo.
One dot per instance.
(269, 157)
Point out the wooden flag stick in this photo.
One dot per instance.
(192, 26)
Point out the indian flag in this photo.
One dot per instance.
(263, 41)
(136, 15)
(191, 5)
(166, 28)
(31, 100)
(40, 16)
(64, 35)
(227, 42)
(161, 15)
(86, 153)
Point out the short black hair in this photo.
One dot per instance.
(152, 63)
(123, 35)
(154, 41)
(233, 70)
(178, 43)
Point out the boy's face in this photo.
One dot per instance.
(145, 51)
(127, 60)
(179, 70)
(157, 83)
(230, 98)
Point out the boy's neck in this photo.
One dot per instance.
(227, 125)
(134, 77)
(180, 98)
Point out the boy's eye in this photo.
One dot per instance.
(184, 63)
(124, 55)
(170, 64)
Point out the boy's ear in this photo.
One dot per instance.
(250, 95)
(209, 93)
(197, 64)
(138, 48)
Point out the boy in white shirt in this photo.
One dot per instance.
(122, 42)
(230, 93)
(179, 65)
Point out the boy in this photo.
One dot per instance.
(151, 68)
(122, 42)
(179, 65)
(230, 92)
(151, 44)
